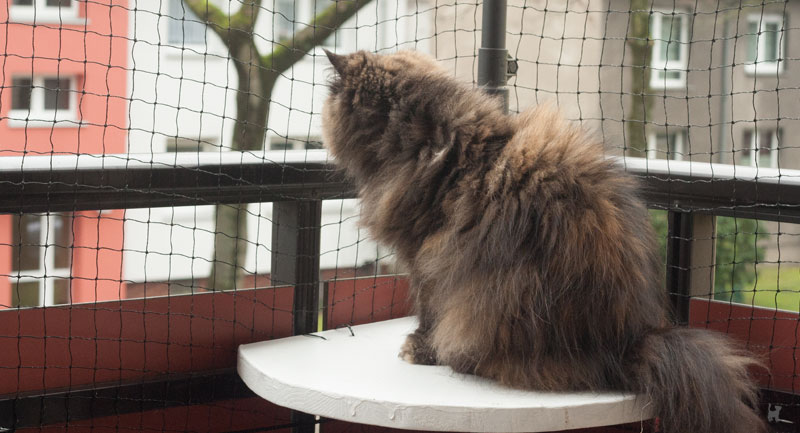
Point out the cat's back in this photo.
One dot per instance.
(550, 190)
(550, 161)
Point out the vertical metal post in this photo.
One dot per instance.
(691, 260)
(679, 258)
(493, 56)
(295, 261)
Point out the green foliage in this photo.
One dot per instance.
(778, 287)
(737, 253)
(659, 220)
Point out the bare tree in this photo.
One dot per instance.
(257, 72)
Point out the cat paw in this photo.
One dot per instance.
(407, 350)
(414, 351)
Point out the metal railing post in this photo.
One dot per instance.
(296, 229)
(679, 256)
(493, 56)
(691, 258)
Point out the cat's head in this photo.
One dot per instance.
(364, 89)
(367, 79)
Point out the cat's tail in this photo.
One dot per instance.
(697, 382)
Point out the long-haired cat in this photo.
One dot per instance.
(531, 257)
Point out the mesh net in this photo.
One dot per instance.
(120, 316)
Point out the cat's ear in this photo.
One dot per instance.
(337, 61)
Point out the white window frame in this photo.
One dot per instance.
(764, 67)
(679, 142)
(39, 12)
(754, 145)
(659, 66)
(47, 273)
(37, 115)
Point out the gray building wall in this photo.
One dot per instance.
(721, 99)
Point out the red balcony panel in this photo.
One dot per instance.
(223, 416)
(770, 333)
(363, 300)
(82, 344)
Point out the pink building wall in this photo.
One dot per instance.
(95, 54)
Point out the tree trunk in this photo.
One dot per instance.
(252, 105)
(641, 104)
(257, 77)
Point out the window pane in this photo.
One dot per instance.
(21, 94)
(765, 148)
(61, 294)
(59, 3)
(675, 145)
(23, 2)
(284, 20)
(747, 157)
(671, 32)
(747, 145)
(25, 294)
(56, 93)
(751, 39)
(663, 38)
(314, 144)
(184, 26)
(765, 157)
(62, 240)
(661, 146)
(26, 242)
(280, 144)
(770, 39)
(765, 138)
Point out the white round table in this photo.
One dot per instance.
(360, 379)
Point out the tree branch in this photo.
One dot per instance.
(245, 19)
(290, 51)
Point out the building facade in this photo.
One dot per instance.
(718, 80)
(64, 91)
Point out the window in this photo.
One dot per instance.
(667, 145)
(760, 148)
(184, 27)
(182, 144)
(43, 99)
(284, 20)
(764, 44)
(41, 258)
(291, 17)
(44, 10)
(669, 32)
(284, 143)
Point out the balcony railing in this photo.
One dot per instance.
(297, 182)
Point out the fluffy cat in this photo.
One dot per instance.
(532, 260)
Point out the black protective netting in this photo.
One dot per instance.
(127, 312)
